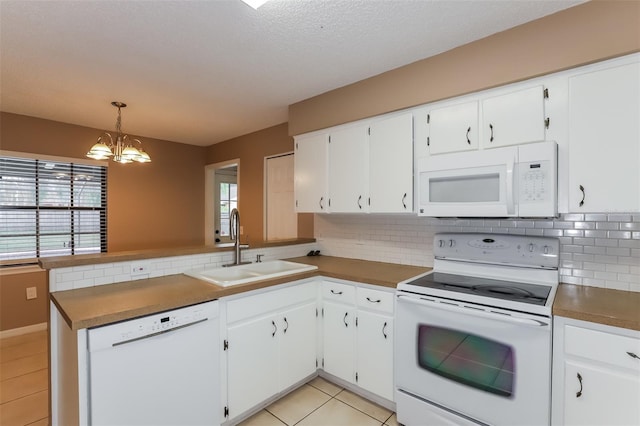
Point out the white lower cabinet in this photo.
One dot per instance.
(272, 340)
(358, 336)
(270, 345)
(339, 340)
(374, 370)
(596, 374)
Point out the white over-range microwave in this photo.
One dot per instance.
(513, 181)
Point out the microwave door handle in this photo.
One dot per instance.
(472, 311)
(510, 194)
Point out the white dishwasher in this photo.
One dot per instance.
(161, 369)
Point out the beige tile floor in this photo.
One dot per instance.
(322, 403)
(24, 394)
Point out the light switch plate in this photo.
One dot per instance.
(32, 293)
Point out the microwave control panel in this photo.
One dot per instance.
(535, 182)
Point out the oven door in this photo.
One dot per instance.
(478, 362)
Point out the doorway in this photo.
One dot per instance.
(221, 196)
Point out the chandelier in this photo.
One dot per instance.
(122, 149)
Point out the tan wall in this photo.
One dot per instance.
(252, 149)
(15, 310)
(154, 205)
(583, 34)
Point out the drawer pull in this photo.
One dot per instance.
(579, 393)
(373, 301)
(632, 355)
(336, 292)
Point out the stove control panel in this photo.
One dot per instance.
(517, 250)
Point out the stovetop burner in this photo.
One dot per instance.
(534, 294)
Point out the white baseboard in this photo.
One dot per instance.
(23, 330)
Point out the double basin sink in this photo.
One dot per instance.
(243, 274)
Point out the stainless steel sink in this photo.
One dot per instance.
(243, 274)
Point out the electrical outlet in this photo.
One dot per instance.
(241, 230)
(32, 293)
(139, 269)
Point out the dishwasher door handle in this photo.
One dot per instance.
(148, 336)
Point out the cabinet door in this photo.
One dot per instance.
(453, 128)
(339, 340)
(310, 174)
(607, 396)
(252, 364)
(374, 361)
(297, 343)
(349, 170)
(604, 140)
(513, 118)
(391, 165)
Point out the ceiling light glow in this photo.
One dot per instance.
(255, 3)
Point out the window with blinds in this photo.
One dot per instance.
(51, 208)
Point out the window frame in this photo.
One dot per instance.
(75, 167)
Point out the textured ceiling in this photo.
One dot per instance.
(200, 72)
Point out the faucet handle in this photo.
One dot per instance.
(259, 258)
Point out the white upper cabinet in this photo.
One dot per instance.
(311, 162)
(391, 164)
(349, 170)
(514, 118)
(604, 140)
(453, 128)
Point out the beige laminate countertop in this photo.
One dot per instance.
(95, 306)
(600, 305)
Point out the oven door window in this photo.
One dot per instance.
(468, 359)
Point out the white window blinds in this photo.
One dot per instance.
(51, 208)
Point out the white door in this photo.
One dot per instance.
(339, 340)
(311, 157)
(282, 220)
(349, 170)
(453, 128)
(599, 395)
(297, 343)
(375, 353)
(391, 165)
(513, 118)
(604, 140)
(252, 361)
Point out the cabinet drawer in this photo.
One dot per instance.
(254, 305)
(339, 292)
(601, 346)
(375, 299)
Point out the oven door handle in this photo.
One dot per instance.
(472, 311)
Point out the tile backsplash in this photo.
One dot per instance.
(600, 250)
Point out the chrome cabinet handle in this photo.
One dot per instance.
(320, 202)
(583, 195)
(345, 319)
(336, 292)
(373, 301)
(275, 328)
(404, 197)
(491, 127)
(632, 355)
(384, 327)
(287, 324)
(468, 130)
(579, 393)
(359, 205)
